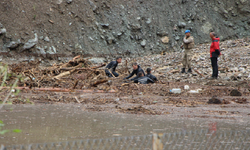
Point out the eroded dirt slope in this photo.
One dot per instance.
(113, 27)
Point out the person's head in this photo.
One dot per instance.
(212, 35)
(148, 70)
(119, 59)
(140, 74)
(135, 66)
(187, 32)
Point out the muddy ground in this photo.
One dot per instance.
(152, 99)
(85, 84)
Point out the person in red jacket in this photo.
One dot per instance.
(214, 54)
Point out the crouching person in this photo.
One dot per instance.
(152, 77)
(136, 70)
(110, 68)
(143, 79)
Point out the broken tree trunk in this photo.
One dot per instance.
(99, 82)
(64, 74)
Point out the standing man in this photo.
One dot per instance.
(188, 44)
(136, 70)
(110, 68)
(214, 54)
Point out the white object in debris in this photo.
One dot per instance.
(178, 90)
(186, 87)
(195, 91)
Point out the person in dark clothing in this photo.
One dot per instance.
(143, 79)
(214, 54)
(136, 70)
(110, 68)
(150, 75)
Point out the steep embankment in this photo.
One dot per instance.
(106, 28)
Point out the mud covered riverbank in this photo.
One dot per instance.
(81, 82)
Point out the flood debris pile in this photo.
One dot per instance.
(80, 81)
(75, 74)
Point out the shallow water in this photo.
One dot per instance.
(66, 122)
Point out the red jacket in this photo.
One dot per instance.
(215, 45)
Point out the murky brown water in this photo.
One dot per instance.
(64, 122)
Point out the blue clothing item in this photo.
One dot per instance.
(187, 31)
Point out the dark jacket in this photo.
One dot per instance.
(139, 69)
(143, 80)
(215, 47)
(112, 65)
(152, 77)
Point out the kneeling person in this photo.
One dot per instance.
(150, 75)
(110, 68)
(136, 70)
(143, 79)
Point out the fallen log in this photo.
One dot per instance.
(64, 74)
(63, 90)
(95, 91)
(99, 82)
(174, 71)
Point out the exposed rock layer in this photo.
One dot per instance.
(106, 28)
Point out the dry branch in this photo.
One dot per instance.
(199, 73)
(99, 82)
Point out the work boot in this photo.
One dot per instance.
(183, 70)
(189, 70)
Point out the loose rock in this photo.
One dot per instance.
(3, 31)
(143, 43)
(31, 43)
(235, 92)
(165, 40)
(14, 44)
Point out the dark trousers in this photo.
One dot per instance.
(110, 75)
(214, 61)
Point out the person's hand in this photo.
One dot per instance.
(181, 47)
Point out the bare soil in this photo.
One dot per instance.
(153, 99)
(80, 82)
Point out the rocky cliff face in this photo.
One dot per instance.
(115, 27)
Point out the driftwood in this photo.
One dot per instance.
(99, 82)
(63, 90)
(75, 69)
(199, 73)
(125, 84)
(174, 71)
(64, 74)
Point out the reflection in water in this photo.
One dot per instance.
(52, 123)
